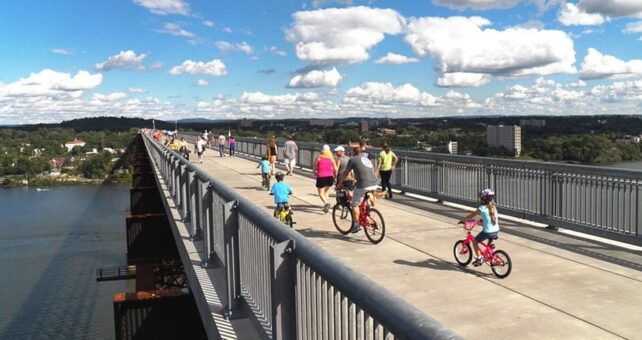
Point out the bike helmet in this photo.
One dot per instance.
(487, 195)
(279, 176)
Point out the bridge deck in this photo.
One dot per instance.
(561, 286)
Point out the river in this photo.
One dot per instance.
(637, 165)
(51, 243)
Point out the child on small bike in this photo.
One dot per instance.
(281, 192)
(265, 172)
(490, 224)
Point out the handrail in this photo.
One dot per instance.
(396, 315)
(596, 200)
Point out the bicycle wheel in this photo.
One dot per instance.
(288, 221)
(501, 264)
(342, 218)
(376, 228)
(463, 253)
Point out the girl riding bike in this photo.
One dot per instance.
(490, 224)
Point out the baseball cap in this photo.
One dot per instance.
(339, 148)
(326, 147)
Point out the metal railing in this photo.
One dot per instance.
(294, 288)
(596, 200)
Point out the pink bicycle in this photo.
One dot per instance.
(498, 260)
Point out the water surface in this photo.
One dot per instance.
(51, 242)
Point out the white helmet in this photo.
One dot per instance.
(486, 192)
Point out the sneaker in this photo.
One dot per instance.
(478, 262)
(355, 228)
(326, 208)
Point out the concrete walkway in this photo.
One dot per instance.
(561, 287)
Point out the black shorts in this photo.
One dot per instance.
(265, 175)
(323, 182)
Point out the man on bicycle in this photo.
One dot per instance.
(490, 224)
(366, 178)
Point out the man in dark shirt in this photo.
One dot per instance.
(364, 173)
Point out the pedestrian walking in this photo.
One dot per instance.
(324, 170)
(386, 164)
(221, 145)
(231, 142)
(290, 155)
(200, 148)
(271, 153)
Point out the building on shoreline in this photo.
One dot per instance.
(507, 137)
(72, 144)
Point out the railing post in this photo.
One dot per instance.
(197, 220)
(184, 184)
(233, 309)
(208, 224)
(177, 183)
(208, 231)
(282, 269)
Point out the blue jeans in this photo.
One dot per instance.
(221, 150)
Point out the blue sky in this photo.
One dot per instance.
(172, 59)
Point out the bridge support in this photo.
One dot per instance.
(162, 307)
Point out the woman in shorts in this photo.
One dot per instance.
(325, 169)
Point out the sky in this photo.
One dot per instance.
(278, 59)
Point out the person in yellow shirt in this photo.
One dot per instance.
(173, 145)
(386, 164)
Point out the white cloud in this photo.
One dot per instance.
(112, 97)
(156, 66)
(393, 58)
(202, 83)
(462, 79)
(476, 4)
(570, 14)
(225, 46)
(633, 27)
(214, 67)
(386, 93)
(546, 97)
(276, 51)
(316, 78)
(598, 66)
(63, 51)
(612, 8)
(137, 90)
(463, 45)
(208, 23)
(341, 35)
(51, 83)
(165, 7)
(125, 60)
(176, 30)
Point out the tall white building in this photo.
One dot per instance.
(452, 148)
(508, 137)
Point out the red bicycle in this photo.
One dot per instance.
(370, 218)
(498, 260)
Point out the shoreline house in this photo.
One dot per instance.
(57, 162)
(72, 144)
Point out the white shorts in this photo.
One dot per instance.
(290, 162)
(359, 193)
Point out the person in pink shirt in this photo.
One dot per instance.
(324, 169)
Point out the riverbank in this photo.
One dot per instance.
(60, 180)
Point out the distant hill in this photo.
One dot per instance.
(98, 124)
(196, 120)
